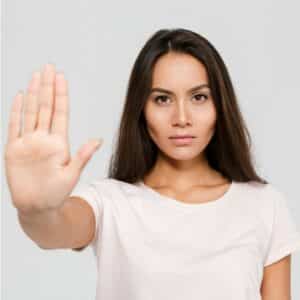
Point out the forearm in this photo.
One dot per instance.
(48, 229)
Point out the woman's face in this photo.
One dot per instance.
(179, 110)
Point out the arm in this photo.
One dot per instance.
(276, 280)
(40, 172)
(72, 226)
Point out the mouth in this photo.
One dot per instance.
(182, 140)
(182, 137)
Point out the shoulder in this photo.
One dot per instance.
(259, 198)
(271, 195)
(111, 187)
(112, 183)
(267, 200)
(264, 193)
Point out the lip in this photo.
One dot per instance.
(179, 141)
(181, 136)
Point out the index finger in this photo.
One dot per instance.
(15, 119)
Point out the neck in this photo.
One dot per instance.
(170, 172)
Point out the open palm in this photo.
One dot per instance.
(39, 170)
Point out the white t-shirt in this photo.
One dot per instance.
(150, 246)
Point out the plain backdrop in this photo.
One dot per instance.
(95, 43)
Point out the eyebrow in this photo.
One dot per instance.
(195, 88)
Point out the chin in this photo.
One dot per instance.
(182, 154)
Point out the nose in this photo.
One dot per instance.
(181, 115)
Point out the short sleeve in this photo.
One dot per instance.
(285, 237)
(89, 193)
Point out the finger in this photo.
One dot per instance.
(31, 107)
(83, 155)
(61, 106)
(45, 97)
(15, 118)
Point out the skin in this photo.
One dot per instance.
(40, 170)
(276, 284)
(182, 172)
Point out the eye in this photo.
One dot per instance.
(199, 97)
(160, 97)
(164, 97)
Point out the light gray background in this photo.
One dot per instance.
(95, 44)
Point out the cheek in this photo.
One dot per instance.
(156, 121)
(155, 129)
(205, 119)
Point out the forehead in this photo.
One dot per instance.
(178, 70)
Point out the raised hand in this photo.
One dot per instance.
(39, 170)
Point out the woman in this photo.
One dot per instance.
(182, 213)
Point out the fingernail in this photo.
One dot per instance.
(20, 93)
(36, 74)
(98, 142)
(48, 67)
(60, 75)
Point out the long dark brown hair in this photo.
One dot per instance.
(229, 150)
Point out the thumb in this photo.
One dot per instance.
(84, 154)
